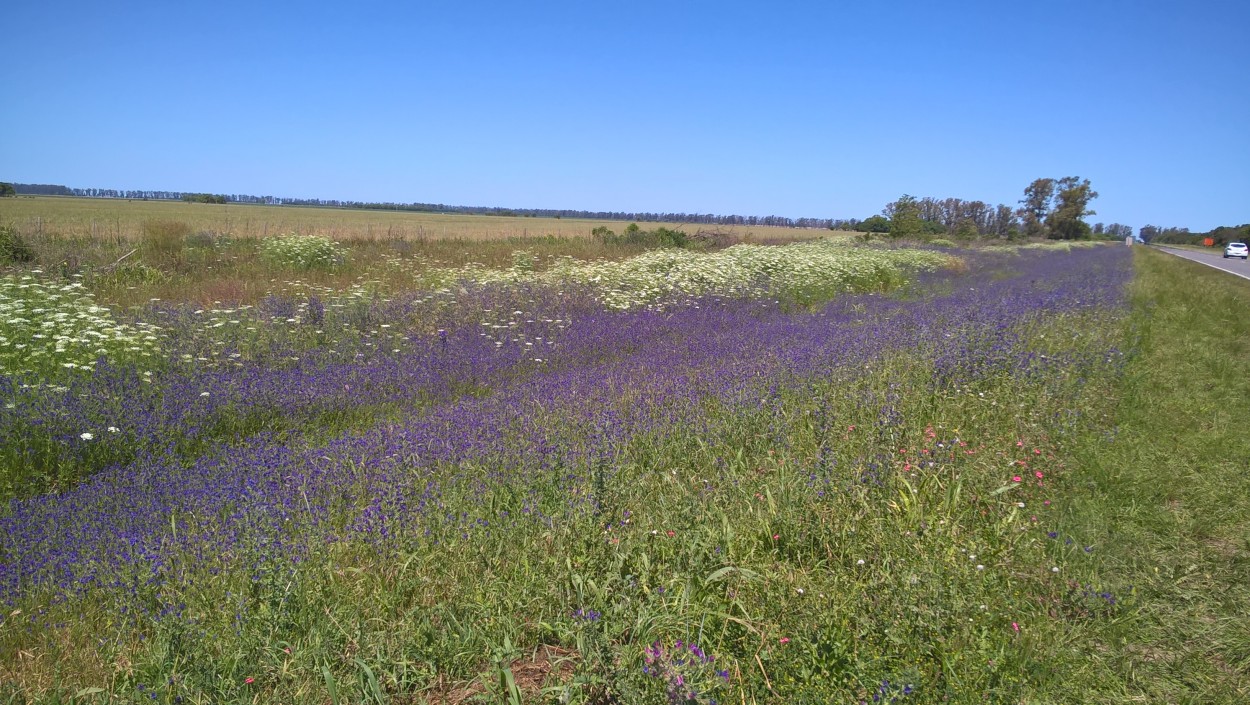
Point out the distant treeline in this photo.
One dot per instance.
(706, 218)
(1051, 208)
(1181, 236)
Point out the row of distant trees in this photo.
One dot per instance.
(205, 198)
(1051, 208)
(654, 217)
(1181, 236)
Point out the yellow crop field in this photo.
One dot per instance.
(123, 219)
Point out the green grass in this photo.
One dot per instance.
(1167, 497)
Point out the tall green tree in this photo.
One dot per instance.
(904, 215)
(6, 189)
(1036, 207)
(875, 224)
(1067, 220)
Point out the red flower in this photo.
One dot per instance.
(249, 680)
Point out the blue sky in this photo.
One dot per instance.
(825, 109)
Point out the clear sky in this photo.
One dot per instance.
(820, 109)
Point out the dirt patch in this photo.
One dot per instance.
(547, 665)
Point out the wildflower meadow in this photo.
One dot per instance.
(827, 471)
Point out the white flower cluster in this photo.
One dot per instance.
(302, 251)
(47, 325)
(759, 270)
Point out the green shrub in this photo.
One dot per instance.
(523, 261)
(670, 238)
(302, 252)
(634, 235)
(13, 249)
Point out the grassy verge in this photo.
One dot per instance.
(1167, 499)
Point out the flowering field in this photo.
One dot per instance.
(809, 271)
(811, 473)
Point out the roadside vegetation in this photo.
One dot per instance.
(618, 469)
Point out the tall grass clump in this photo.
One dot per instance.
(162, 241)
(13, 249)
(302, 252)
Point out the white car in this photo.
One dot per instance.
(1236, 249)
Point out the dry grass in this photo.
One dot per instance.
(134, 251)
(122, 220)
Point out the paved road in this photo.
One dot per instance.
(1215, 259)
